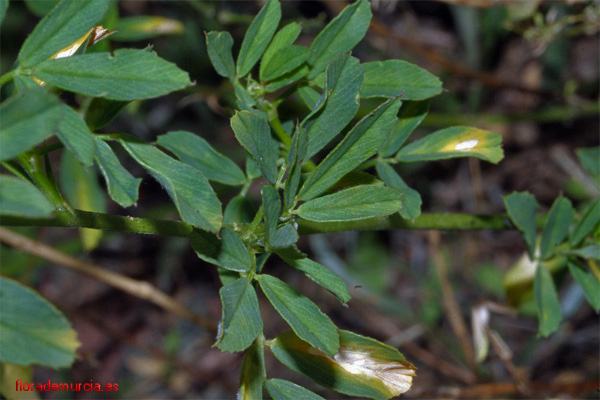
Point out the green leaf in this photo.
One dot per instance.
(189, 189)
(321, 275)
(303, 316)
(364, 367)
(287, 79)
(67, 22)
(239, 210)
(219, 46)
(131, 29)
(521, 208)
(272, 210)
(258, 36)
(588, 157)
(33, 330)
(359, 144)
(588, 252)
(412, 206)
(557, 226)
(586, 224)
(283, 237)
(27, 119)
(411, 115)
(282, 39)
(229, 252)
(21, 198)
(339, 36)
(240, 322)
(344, 81)
(122, 186)
(253, 373)
(281, 389)
(197, 152)
(76, 136)
(457, 141)
(284, 61)
(81, 188)
(129, 74)
(101, 112)
(253, 132)
(394, 78)
(295, 159)
(351, 204)
(589, 284)
(546, 298)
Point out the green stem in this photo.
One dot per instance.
(32, 164)
(7, 77)
(84, 219)
(424, 221)
(16, 170)
(278, 127)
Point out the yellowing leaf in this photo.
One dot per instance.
(91, 37)
(362, 367)
(456, 141)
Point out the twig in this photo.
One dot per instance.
(455, 318)
(506, 356)
(143, 290)
(441, 221)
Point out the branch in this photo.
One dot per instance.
(108, 222)
(443, 221)
(141, 289)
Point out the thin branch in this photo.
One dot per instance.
(85, 219)
(143, 290)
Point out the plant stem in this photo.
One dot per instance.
(85, 219)
(275, 122)
(7, 77)
(32, 164)
(456, 221)
(16, 169)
